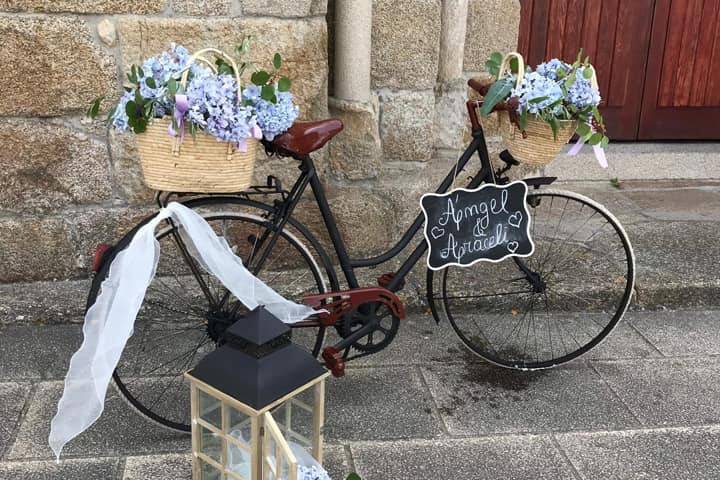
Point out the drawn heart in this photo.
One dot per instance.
(437, 232)
(512, 246)
(515, 219)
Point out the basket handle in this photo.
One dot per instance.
(505, 65)
(197, 57)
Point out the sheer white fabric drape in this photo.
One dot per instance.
(109, 322)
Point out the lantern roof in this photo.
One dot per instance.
(257, 328)
(258, 374)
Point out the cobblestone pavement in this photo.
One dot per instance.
(641, 405)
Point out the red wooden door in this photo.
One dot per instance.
(615, 34)
(682, 87)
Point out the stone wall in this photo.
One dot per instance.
(67, 184)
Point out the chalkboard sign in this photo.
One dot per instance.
(490, 223)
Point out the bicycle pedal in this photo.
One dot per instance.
(334, 361)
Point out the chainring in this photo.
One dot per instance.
(378, 338)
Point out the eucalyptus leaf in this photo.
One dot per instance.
(587, 73)
(150, 82)
(353, 476)
(595, 139)
(497, 93)
(94, 109)
(268, 93)
(172, 86)
(131, 109)
(277, 61)
(604, 142)
(260, 77)
(583, 129)
(554, 126)
(284, 84)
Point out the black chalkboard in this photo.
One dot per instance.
(489, 223)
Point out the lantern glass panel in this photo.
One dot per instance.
(295, 418)
(210, 409)
(211, 444)
(208, 472)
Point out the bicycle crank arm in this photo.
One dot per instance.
(333, 356)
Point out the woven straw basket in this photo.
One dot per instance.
(538, 147)
(194, 165)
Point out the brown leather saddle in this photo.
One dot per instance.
(304, 138)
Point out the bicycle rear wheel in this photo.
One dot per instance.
(552, 307)
(178, 323)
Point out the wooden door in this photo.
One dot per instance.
(682, 88)
(615, 34)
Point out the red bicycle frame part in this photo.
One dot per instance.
(341, 303)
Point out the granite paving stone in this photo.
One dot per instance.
(680, 333)
(379, 403)
(667, 454)
(12, 400)
(480, 400)
(158, 467)
(38, 352)
(507, 458)
(673, 391)
(119, 431)
(71, 469)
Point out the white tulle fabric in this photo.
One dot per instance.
(109, 322)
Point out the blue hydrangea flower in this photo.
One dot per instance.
(273, 118)
(550, 68)
(119, 119)
(535, 86)
(581, 93)
(214, 108)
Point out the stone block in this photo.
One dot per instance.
(302, 44)
(666, 392)
(511, 457)
(356, 153)
(138, 7)
(87, 469)
(492, 27)
(451, 119)
(126, 169)
(63, 69)
(393, 403)
(406, 126)
(406, 43)
(102, 225)
(663, 453)
(480, 399)
(12, 401)
(35, 248)
(284, 8)
(47, 165)
(202, 8)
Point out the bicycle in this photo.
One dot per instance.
(530, 313)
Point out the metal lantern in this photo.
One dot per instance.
(257, 404)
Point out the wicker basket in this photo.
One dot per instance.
(194, 165)
(538, 146)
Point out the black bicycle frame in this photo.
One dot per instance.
(348, 265)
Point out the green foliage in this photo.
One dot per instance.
(615, 182)
(353, 476)
(498, 92)
(267, 80)
(94, 108)
(493, 64)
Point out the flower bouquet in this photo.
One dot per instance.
(541, 110)
(197, 127)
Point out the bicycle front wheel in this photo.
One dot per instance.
(186, 311)
(552, 307)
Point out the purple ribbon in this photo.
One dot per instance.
(597, 150)
(256, 133)
(181, 108)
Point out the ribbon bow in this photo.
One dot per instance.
(181, 108)
(597, 150)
